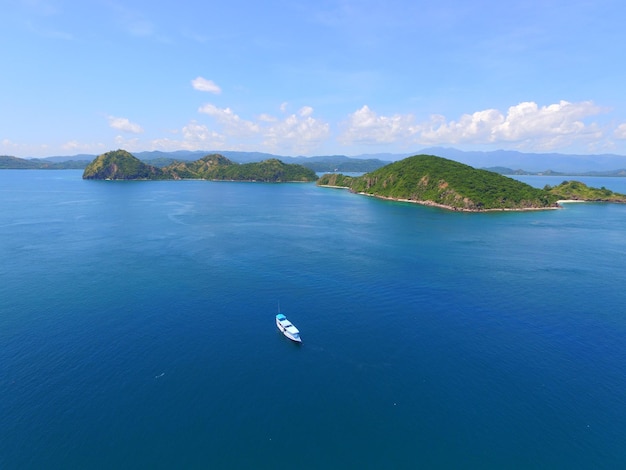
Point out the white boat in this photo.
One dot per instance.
(287, 328)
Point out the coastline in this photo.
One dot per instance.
(459, 209)
(451, 208)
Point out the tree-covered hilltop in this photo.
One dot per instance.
(121, 165)
(219, 168)
(271, 171)
(577, 191)
(428, 179)
(205, 168)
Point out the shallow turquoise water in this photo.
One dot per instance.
(137, 329)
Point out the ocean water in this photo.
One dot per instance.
(137, 329)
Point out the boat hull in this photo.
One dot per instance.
(287, 328)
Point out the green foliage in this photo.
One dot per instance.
(205, 168)
(122, 165)
(575, 190)
(272, 170)
(218, 167)
(427, 178)
(336, 180)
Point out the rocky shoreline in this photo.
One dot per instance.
(459, 209)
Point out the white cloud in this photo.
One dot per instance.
(526, 126)
(477, 127)
(527, 120)
(124, 125)
(620, 132)
(132, 145)
(267, 118)
(202, 84)
(297, 133)
(232, 123)
(305, 111)
(194, 132)
(194, 136)
(365, 126)
(6, 143)
(72, 145)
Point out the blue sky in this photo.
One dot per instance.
(312, 77)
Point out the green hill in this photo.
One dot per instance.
(217, 167)
(432, 180)
(577, 191)
(271, 171)
(121, 165)
(207, 167)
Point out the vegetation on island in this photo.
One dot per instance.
(121, 165)
(577, 191)
(219, 168)
(432, 180)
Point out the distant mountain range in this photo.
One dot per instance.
(534, 163)
(500, 161)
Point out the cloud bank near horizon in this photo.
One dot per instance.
(525, 126)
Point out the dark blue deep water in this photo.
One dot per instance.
(137, 329)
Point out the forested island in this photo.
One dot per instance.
(121, 165)
(436, 181)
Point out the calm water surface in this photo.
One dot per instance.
(137, 329)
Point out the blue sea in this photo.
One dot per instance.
(137, 329)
